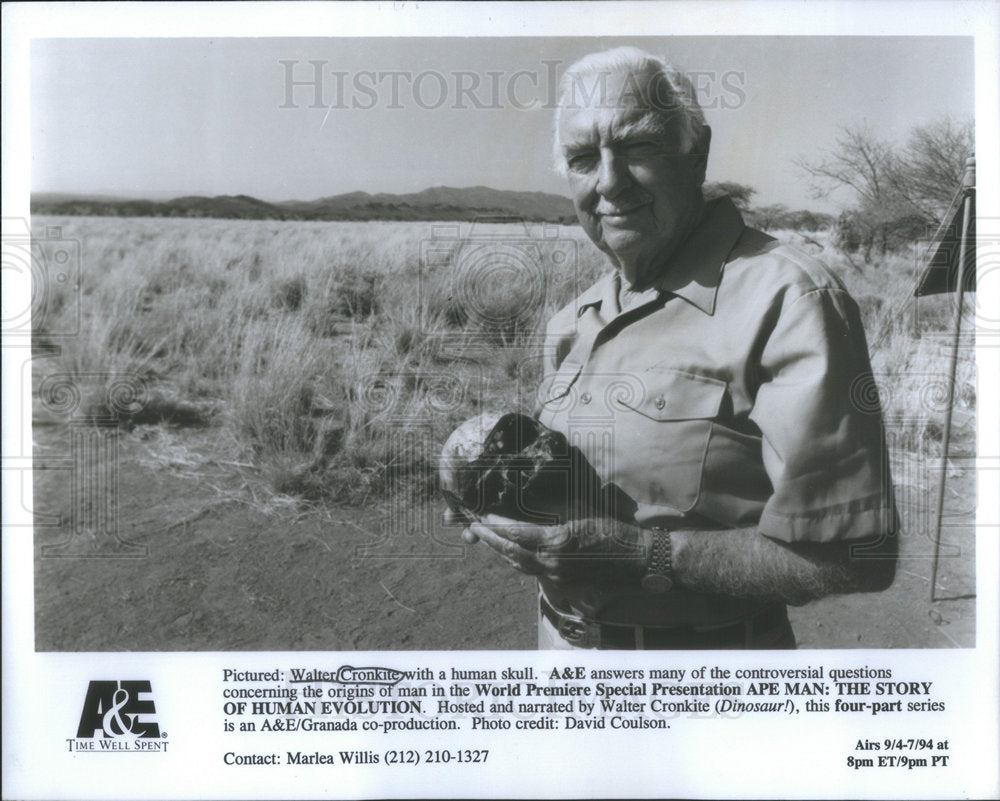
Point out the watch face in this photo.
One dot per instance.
(656, 583)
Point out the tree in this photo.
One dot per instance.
(805, 220)
(930, 169)
(858, 161)
(774, 215)
(900, 191)
(861, 162)
(740, 193)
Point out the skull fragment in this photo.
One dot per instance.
(513, 466)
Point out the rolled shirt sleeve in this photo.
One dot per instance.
(822, 441)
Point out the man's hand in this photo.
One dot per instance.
(594, 547)
(456, 517)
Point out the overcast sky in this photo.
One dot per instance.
(164, 117)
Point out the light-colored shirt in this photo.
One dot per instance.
(737, 392)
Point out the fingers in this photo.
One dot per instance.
(583, 547)
(512, 553)
(530, 548)
(528, 535)
(456, 517)
(497, 542)
(453, 517)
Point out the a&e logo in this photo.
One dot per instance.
(118, 716)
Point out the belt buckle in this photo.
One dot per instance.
(577, 631)
(572, 629)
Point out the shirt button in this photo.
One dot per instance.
(660, 402)
(585, 397)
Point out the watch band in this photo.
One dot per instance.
(659, 577)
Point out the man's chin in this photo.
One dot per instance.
(623, 241)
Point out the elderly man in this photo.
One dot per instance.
(717, 377)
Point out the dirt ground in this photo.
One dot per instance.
(187, 555)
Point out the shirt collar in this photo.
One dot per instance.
(695, 269)
(595, 296)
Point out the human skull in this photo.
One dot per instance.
(513, 466)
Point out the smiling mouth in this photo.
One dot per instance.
(625, 207)
(620, 215)
(614, 213)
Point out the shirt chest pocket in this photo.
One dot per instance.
(661, 436)
(666, 395)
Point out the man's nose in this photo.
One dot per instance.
(612, 174)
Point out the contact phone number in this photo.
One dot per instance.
(436, 756)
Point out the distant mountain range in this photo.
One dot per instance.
(437, 203)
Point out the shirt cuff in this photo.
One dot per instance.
(859, 519)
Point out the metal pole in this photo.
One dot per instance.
(968, 186)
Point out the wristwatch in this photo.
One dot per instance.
(659, 577)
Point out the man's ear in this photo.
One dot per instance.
(700, 153)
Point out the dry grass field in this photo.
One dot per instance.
(312, 344)
(274, 395)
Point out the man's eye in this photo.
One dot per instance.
(581, 162)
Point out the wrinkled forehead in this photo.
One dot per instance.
(592, 125)
(612, 106)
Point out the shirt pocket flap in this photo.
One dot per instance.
(558, 385)
(676, 395)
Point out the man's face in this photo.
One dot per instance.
(636, 195)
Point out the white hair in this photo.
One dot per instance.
(668, 92)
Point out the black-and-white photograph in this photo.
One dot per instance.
(640, 315)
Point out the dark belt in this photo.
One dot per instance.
(770, 624)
